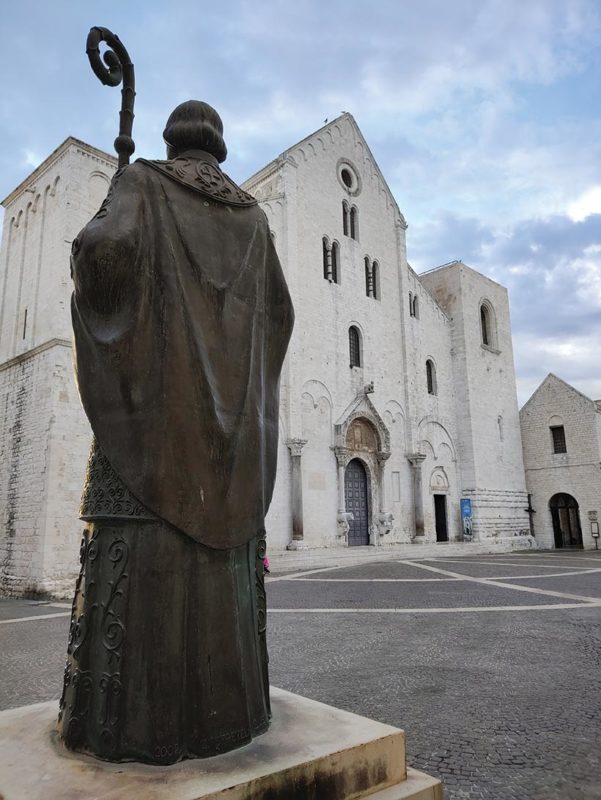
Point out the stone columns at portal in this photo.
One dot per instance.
(385, 517)
(342, 518)
(416, 460)
(296, 446)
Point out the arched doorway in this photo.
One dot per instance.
(566, 521)
(357, 502)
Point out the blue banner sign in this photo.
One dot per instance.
(466, 517)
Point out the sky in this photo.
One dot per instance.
(483, 115)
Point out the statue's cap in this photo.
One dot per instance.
(195, 125)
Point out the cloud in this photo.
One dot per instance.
(588, 203)
(482, 116)
(552, 269)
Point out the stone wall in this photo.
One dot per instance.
(489, 444)
(44, 440)
(576, 472)
(44, 435)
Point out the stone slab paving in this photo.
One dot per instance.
(502, 704)
(16, 609)
(387, 569)
(488, 568)
(585, 583)
(424, 594)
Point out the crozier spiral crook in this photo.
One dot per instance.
(112, 68)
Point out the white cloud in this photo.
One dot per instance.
(588, 203)
(31, 159)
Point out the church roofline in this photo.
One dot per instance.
(458, 264)
(553, 376)
(277, 162)
(50, 160)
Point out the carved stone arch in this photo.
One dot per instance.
(98, 186)
(100, 174)
(555, 420)
(393, 407)
(427, 448)
(372, 448)
(362, 408)
(439, 481)
(311, 147)
(302, 153)
(54, 186)
(317, 389)
(430, 429)
(306, 398)
(316, 412)
(445, 453)
(361, 435)
(394, 417)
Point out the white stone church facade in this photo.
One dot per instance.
(398, 395)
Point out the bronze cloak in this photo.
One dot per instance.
(182, 318)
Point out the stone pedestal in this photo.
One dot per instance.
(311, 752)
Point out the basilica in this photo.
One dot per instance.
(398, 414)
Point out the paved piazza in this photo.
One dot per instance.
(492, 664)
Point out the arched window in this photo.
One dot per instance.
(485, 324)
(335, 262)
(354, 223)
(327, 262)
(372, 288)
(431, 376)
(354, 342)
(488, 333)
(415, 307)
(345, 218)
(375, 280)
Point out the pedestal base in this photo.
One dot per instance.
(296, 544)
(311, 752)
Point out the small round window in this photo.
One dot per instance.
(348, 177)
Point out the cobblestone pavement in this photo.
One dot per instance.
(492, 664)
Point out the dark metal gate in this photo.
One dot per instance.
(355, 494)
(566, 521)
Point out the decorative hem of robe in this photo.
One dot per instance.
(167, 653)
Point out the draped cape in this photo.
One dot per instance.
(181, 319)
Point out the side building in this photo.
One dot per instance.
(44, 434)
(561, 435)
(398, 395)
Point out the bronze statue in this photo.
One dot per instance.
(181, 319)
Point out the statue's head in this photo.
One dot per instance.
(195, 125)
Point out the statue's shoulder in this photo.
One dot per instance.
(202, 177)
(129, 177)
